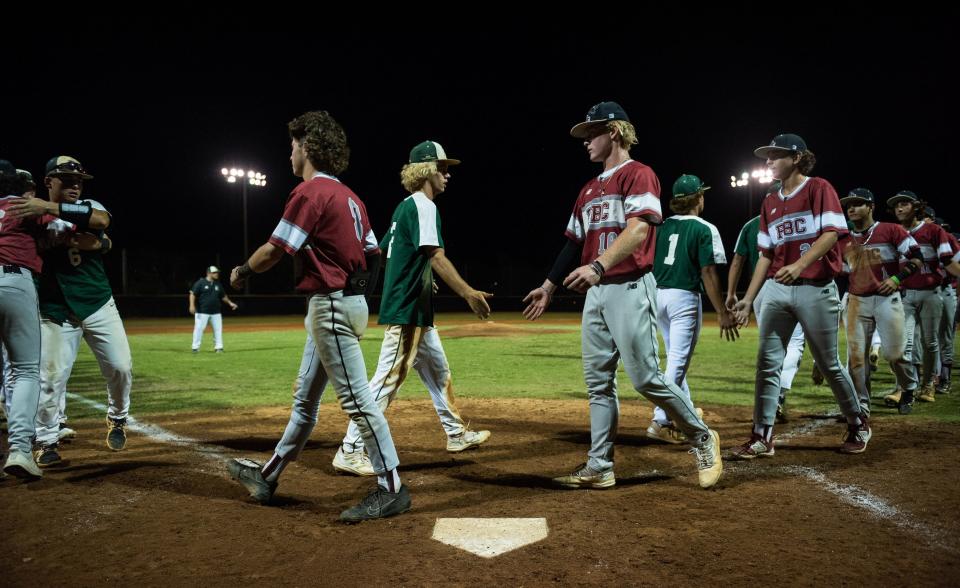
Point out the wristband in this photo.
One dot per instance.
(78, 214)
(244, 270)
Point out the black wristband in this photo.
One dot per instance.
(598, 267)
(78, 214)
(105, 244)
(244, 271)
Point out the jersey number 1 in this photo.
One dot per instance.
(670, 258)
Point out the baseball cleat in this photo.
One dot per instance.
(65, 433)
(927, 394)
(20, 464)
(116, 436)
(709, 463)
(466, 440)
(857, 437)
(893, 399)
(665, 433)
(247, 472)
(378, 504)
(753, 448)
(355, 463)
(586, 477)
(48, 456)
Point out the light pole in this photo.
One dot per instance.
(244, 178)
(749, 180)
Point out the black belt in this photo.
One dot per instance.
(13, 269)
(807, 282)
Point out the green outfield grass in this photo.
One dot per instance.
(259, 367)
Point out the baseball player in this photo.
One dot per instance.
(746, 252)
(612, 231)
(326, 226)
(799, 228)
(948, 293)
(687, 252)
(206, 295)
(415, 250)
(19, 318)
(76, 302)
(922, 305)
(873, 255)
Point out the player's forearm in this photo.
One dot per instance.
(819, 248)
(449, 274)
(733, 276)
(265, 258)
(759, 277)
(193, 300)
(711, 283)
(626, 243)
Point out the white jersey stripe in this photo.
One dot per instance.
(290, 234)
(641, 202)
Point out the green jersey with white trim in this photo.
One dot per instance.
(408, 280)
(685, 245)
(73, 284)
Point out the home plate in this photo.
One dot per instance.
(489, 537)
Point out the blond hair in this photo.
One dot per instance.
(414, 175)
(628, 135)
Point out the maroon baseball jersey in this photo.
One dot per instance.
(630, 190)
(948, 278)
(874, 255)
(326, 225)
(18, 239)
(791, 223)
(936, 247)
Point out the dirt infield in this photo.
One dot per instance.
(166, 514)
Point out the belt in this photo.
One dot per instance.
(632, 277)
(808, 282)
(13, 269)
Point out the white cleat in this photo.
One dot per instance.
(355, 463)
(466, 440)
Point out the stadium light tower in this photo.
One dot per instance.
(750, 181)
(245, 178)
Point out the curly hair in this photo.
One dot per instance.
(628, 135)
(323, 139)
(684, 204)
(414, 175)
(806, 162)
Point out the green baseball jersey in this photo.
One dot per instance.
(408, 280)
(208, 294)
(747, 245)
(73, 284)
(685, 245)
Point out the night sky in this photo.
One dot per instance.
(154, 120)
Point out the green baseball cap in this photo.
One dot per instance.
(688, 185)
(430, 151)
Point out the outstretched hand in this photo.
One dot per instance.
(537, 302)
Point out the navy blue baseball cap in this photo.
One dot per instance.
(781, 143)
(857, 195)
(903, 196)
(599, 114)
(7, 168)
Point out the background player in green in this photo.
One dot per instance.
(205, 297)
(414, 250)
(76, 301)
(746, 252)
(687, 253)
